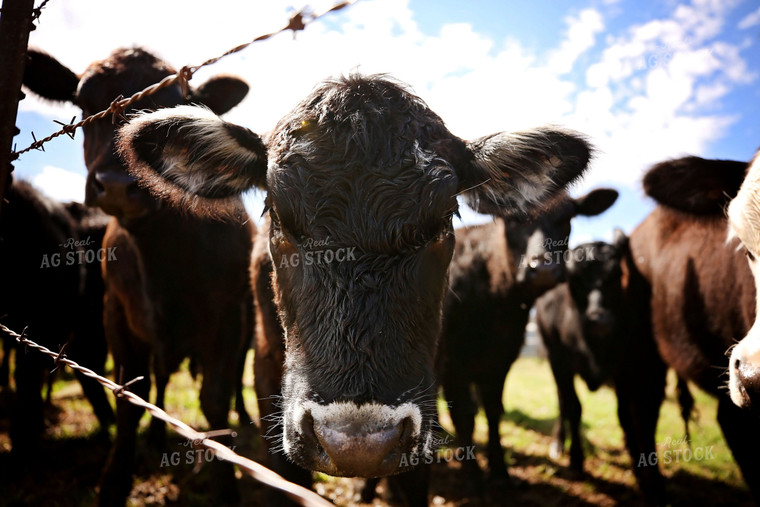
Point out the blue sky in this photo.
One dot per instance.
(646, 80)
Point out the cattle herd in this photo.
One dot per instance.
(359, 297)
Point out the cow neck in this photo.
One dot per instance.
(161, 220)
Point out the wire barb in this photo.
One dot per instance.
(37, 11)
(61, 357)
(117, 109)
(68, 128)
(119, 391)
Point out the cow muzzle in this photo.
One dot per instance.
(744, 380)
(543, 277)
(117, 193)
(346, 440)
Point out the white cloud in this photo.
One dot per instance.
(580, 37)
(750, 20)
(60, 184)
(654, 93)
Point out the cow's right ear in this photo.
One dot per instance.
(47, 77)
(193, 159)
(516, 174)
(695, 185)
(220, 93)
(596, 202)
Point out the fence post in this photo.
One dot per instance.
(15, 25)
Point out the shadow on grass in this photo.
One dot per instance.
(66, 472)
(540, 481)
(520, 418)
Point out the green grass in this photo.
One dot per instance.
(531, 407)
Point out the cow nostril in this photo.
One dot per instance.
(133, 189)
(407, 432)
(307, 430)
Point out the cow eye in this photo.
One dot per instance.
(275, 219)
(749, 255)
(272, 215)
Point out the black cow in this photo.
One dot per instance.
(361, 187)
(580, 323)
(498, 271)
(48, 289)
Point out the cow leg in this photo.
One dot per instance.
(492, 390)
(411, 488)
(249, 327)
(491, 395)
(131, 360)
(573, 410)
(639, 399)
(89, 348)
(5, 365)
(94, 392)
(215, 403)
(569, 411)
(27, 419)
(157, 429)
(462, 409)
(216, 395)
(116, 482)
(369, 490)
(740, 429)
(243, 417)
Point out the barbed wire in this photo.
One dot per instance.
(299, 494)
(37, 11)
(299, 21)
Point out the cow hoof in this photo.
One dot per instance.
(576, 464)
(556, 450)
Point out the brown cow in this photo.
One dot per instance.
(744, 220)
(179, 285)
(690, 295)
(362, 184)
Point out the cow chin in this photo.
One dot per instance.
(348, 440)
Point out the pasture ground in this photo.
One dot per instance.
(68, 468)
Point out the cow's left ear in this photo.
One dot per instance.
(193, 159)
(517, 174)
(220, 93)
(49, 78)
(595, 202)
(695, 185)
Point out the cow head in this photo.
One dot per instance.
(744, 223)
(540, 245)
(362, 184)
(125, 72)
(595, 281)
